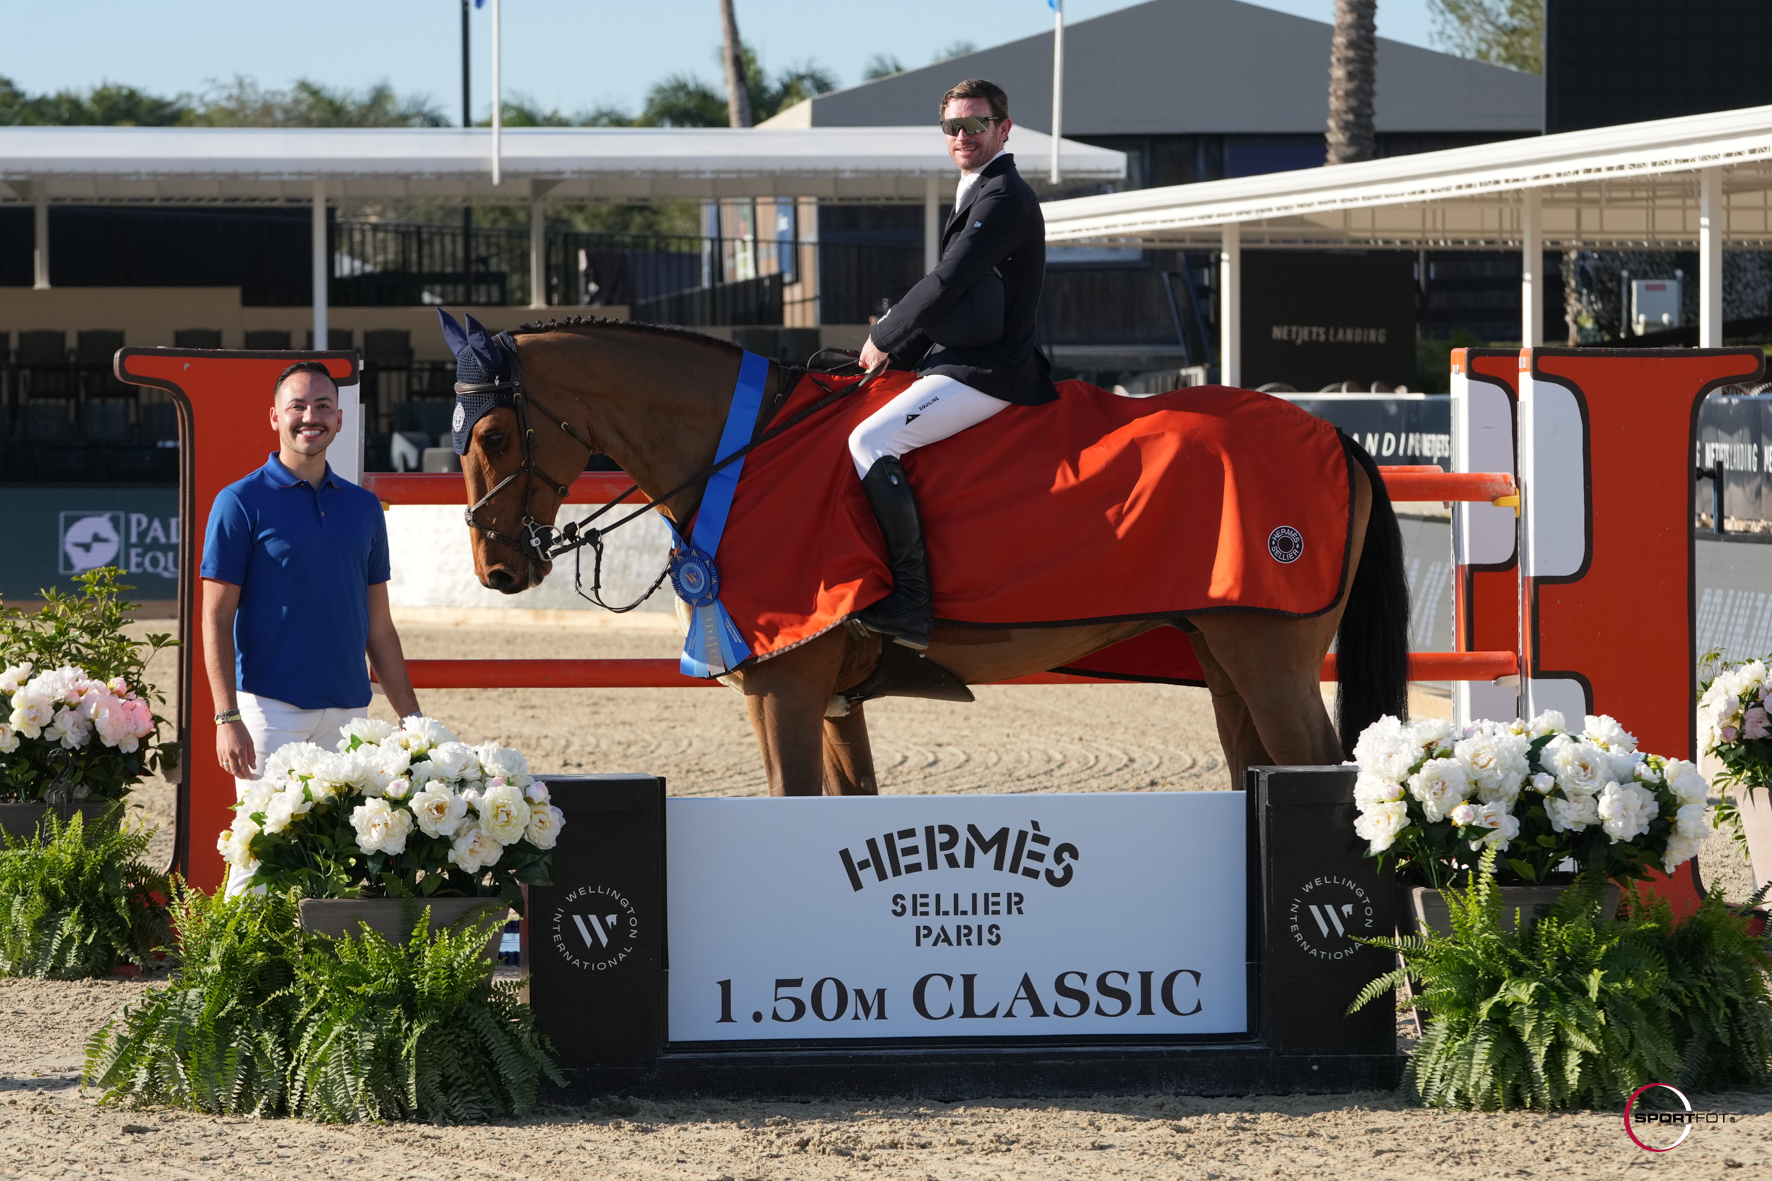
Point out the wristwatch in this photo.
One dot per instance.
(227, 715)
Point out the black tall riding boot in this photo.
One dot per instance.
(907, 615)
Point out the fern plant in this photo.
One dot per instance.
(1578, 1008)
(414, 1030)
(217, 1038)
(1715, 995)
(80, 902)
(264, 1019)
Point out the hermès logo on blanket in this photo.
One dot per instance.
(1129, 538)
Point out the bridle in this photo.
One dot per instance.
(539, 543)
(536, 540)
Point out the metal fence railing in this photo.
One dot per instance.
(74, 422)
(664, 278)
(383, 264)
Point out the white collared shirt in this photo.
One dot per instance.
(969, 178)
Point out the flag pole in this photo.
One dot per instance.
(498, 100)
(1057, 81)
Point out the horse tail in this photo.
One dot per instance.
(1372, 644)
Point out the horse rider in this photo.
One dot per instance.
(967, 328)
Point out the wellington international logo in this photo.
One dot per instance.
(1664, 1131)
(595, 928)
(1327, 914)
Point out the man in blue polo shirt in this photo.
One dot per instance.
(295, 591)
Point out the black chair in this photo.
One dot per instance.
(104, 418)
(427, 418)
(795, 346)
(94, 351)
(97, 345)
(159, 420)
(337, 339)
(386, 344)
(267, 340)
(47, 418)
(44, 353)
(759, 340)
(197, 338)
(42, 347)
(388, 371)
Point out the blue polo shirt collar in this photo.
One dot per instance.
(284, 478)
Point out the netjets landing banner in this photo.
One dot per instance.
(957, 916)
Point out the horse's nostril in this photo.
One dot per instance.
(500, 579)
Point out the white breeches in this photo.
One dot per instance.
(932, 409)
(272, 724)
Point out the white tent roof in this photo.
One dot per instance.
(1631, 186)
(274, 165)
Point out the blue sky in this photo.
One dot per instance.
(568, 54)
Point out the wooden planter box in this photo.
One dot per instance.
(23, 820)
(338, 917)
(1431, 912)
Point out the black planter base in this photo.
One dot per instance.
(22, 820)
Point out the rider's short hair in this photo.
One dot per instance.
(318, 367)
(978, 88)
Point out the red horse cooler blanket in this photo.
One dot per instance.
(1093, 508)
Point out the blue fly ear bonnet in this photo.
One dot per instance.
(479, 360)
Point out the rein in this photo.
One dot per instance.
(539, 543)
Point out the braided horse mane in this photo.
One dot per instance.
(587, 325)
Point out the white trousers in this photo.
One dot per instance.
(932, 409)
(272, 723)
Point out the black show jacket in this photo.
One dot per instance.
(996, 227)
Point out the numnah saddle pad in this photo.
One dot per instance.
(1094, 507)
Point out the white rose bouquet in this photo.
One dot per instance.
(1540, 794)
(399, 812)
(1734, 728)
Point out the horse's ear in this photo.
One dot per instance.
(484, 347)
(453, 336)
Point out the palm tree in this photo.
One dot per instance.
(738, 96)
(1353, 53)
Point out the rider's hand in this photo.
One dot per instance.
(233, 749)
(871, 357)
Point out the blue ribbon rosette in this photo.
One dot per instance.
(713, 646)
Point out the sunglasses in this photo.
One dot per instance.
(970, 124)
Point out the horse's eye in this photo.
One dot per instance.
(492, 441)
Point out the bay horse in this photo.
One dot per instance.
(655, 400)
